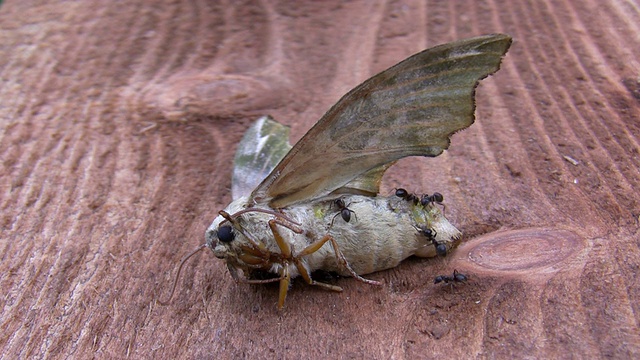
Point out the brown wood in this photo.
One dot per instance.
(118, 125)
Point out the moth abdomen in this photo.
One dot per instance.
(385, 234)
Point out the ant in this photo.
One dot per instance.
(424, 200)
(405, 195)
(455, 278)
(441, 249)
(436, 197)
(345, 212)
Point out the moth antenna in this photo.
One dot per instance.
(292, 225)
(266, 211)
(175, 282)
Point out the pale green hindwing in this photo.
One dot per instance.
(264, 144)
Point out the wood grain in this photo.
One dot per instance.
(118, 126)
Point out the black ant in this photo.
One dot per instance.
(441, 249)
(436, 197)
(407, 196)
(345, 212)
(455, 278)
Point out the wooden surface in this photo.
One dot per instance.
(118, 126)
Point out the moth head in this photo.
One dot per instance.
(221, 237)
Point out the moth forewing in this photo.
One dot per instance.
(287, 227)
(410, 109)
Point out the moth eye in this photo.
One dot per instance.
(225, 234)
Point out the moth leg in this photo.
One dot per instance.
(285, 248)
(234, 274)
(285, 280)
(307, 277)
(287, 252)
(339, 257)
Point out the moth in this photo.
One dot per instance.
(282, 222)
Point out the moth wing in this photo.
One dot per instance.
(367, 184)
(410, 109)
(262, 147)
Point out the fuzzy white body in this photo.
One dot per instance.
(381, 233)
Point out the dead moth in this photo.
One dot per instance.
(281, 218)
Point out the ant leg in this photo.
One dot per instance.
(354, 213)
(351, 211)
(334, 217)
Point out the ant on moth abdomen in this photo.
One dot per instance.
(345, 212)
(436, 197)
(441, 249)
(407, 196)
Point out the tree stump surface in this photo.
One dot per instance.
(119, 122)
